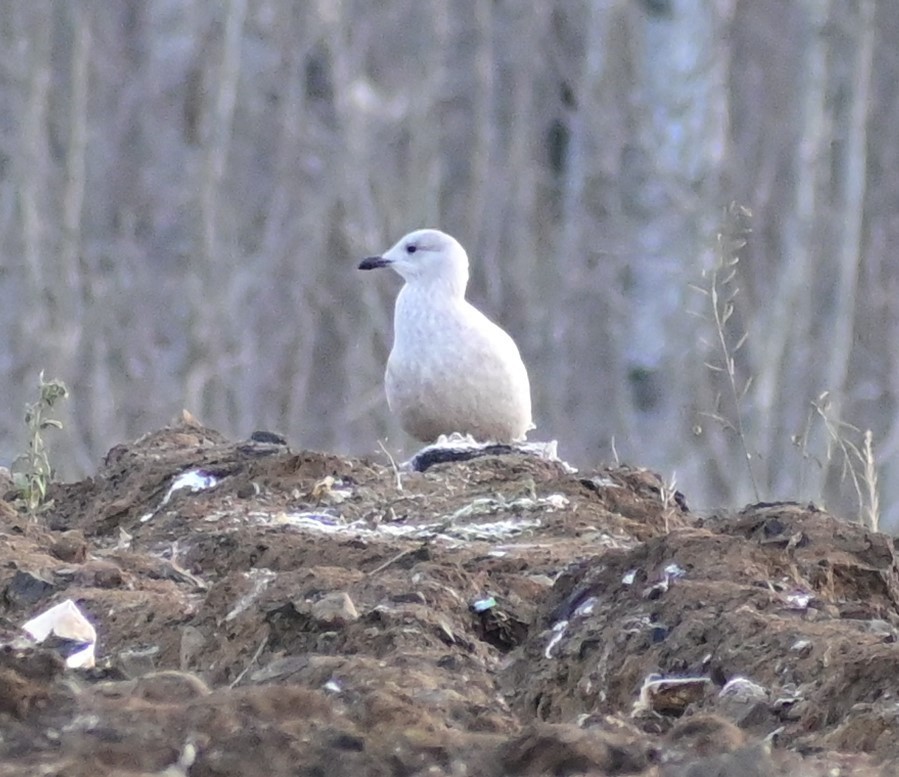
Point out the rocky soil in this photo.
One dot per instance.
(306, 614)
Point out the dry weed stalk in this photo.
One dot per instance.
(857, 461)
(397, 479)
(668, 495)
(721, 290)
(869, 478)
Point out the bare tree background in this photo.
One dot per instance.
(186, 188)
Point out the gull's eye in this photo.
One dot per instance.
(411, 248)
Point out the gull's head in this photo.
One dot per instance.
(426, 258)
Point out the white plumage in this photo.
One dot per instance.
(451, 368)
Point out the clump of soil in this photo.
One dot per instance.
(299, 613)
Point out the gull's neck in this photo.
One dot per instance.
(444, 288)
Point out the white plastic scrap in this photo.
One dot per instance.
(329, 524)
(558, 633)
(316, 521)
(493, 530)
(66, 621)
(586, 606)
(261, 577)
(483, 605)
(194, 479)
(629, 577)
(798, 600)
(490, 506)
(674, 571)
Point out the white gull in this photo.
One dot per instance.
(451, 368)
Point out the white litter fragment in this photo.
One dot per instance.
(491, 506)
(493, 530)
(671, 573)
(674, 571)
(483, 605)
(67, 622)
(798, 600)
(586, 606)
(194, 479)
(558, 633)
(260, 577)
(629, 577)
(333, 686)
(323, 523)
(604, 482)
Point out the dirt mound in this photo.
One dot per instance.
(263, 611)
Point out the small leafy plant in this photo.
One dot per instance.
(31, 471)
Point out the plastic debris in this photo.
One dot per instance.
(585, 607)
(558, 633)
(325, 523)
(260, 577)
(798, 600)
(482, 605)
(194, 479)
(492, 505)
(674, 571)
(67, 623)
(671, 572)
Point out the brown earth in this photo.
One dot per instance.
(309, 616)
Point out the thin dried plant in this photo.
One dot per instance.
(720, 289)
(668, 494)
(801, 442)
(397, 479)
(857, 461)
(869, 478)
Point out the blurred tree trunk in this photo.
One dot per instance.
(785, 328)
(32, 174)
(75, 295)
(671, 178)
(215, 275)
(853, 178)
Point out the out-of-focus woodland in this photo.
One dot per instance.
(186, 189)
